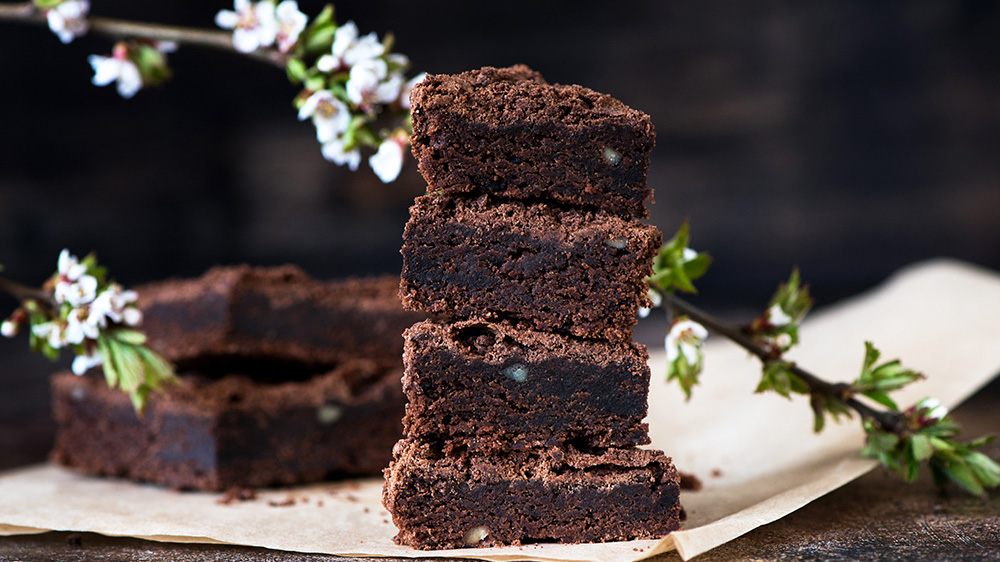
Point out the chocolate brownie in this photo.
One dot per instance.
(561, 270)
(559, 495)
(278, 314)
(489, 388)
(213, 434)
(507, 132)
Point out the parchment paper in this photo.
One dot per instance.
(756, 455)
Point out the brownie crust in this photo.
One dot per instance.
(556, 495)
(213, 434)
(561, 270)
(507, 132)
(278, 314)
(488, 388)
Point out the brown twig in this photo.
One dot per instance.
(888, 421)
(120, 29)
(25, 293)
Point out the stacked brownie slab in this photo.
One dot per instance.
(526, 401)
(283, 379)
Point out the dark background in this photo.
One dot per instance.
(848, 138)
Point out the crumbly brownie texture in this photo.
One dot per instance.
(213, 434)
(507, 132)
(529, 496)
(279, 314)
(488, 388)
(560, 270)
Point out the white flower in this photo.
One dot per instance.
(369, 83)
(404, 93)
(333, 150)
(253, 24)
(79, 329)
(777, 317)
(83, 363)
(685, 338)
(69, 266)
(9, 328)
(50, 331)
(936, 411)
(113, 304)
(689, 254)
(77, 293)
(656, 298)
(388, 161)
(290, 23)
(69, 19)
(330, 115)
(117, 67)
(348, 50)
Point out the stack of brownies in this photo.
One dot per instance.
(526, 403)
(283, 379)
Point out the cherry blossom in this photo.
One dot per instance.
(118, 67)
(83, 363)
(370, 84)
(116, 305)
(68, 20)
(79, 328)
(73, 285)
(253, 24)
(290, 22)
(685, 339)
(330, 115)
(348, 50)
(50, 331)
(388, 160)
(334, 151)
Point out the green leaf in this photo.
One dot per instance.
(985, 469)
(316, 83)
(882, 398)
(325, 17)
(921, 447)
(296, 70)
(320, 39)
(959, 473)
(675, 266)
(127, 336)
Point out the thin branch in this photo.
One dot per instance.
(121, 29)
(26, 293)
(888, 421)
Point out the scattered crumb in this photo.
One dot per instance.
(367, 510)
(319, 503)
(683, 515)
(74, 539)
(351, 498)
(305, 499)
(386, 521)
(288, 501)
(716, 473)
(690, 482)
(236, 494)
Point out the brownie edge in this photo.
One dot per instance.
(556, 495)
(507, 132)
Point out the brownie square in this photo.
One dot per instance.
(279, 314)
(557, 495)
(561, 270)
(488, 388)
(505, 131)
(213, 434)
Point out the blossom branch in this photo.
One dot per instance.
(122, 29)
(888, 421)
(25, 293)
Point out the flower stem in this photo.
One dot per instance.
(25, 293)
(887, 421)
(121, 29)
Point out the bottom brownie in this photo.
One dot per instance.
(213, 434)
(546, 495)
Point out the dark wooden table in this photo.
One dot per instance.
(876, 517)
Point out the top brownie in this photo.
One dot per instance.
(277, 314)
(507, 132)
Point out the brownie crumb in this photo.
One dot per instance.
(690, 482)
(683, 516)
(74, 539)
(235, 494)
(716, 472)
